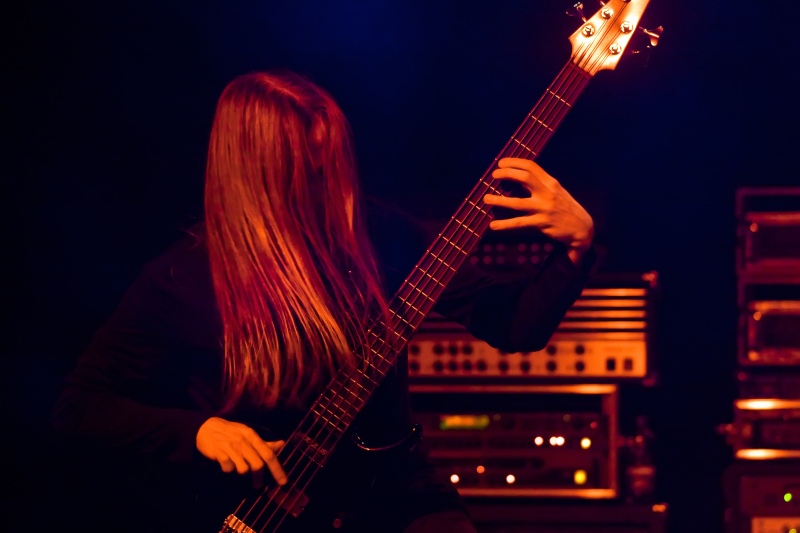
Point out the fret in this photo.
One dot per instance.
(445, 263)
(559, 97)
(392, 348)
(540, 122)
(524, 146)
(356, 396)
(423, 293)
(310, 457)
(436, 281)
(454, 245)
(362, 374)
(491, 188)
(396, 315)
(392, 329)
(338, 395)
(379, 338)
(346, 407)
(375, 368)
(473, 204)
(381, 357)
(359, 385)
(464, 226)
(333, 424)
(412, 306)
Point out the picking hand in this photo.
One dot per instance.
(238, 447)
(549, 208)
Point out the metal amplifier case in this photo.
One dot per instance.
(772, 335)
(605, 335)
(765, 428)
(522, 441)
(772, 240)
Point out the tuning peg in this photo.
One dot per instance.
(577, 11)
(654, 35)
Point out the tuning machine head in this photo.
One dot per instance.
(654, 36)
(577, 11)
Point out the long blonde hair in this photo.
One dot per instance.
(293, 270)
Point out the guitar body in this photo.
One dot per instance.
(338, 500)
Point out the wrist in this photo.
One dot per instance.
(579, 246)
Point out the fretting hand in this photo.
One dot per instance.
(549, 208)
(238, 447)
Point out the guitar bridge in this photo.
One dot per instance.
(234, 525)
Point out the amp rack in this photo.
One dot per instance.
(606, 335)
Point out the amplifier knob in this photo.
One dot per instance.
(580, 349)
(438, 349)
(525, 366)
(453, 349)
(466, 365)
(467, 349)
(413, 349)
(413, 366)
(452, 366)
(551, 349)
(580, 366)
(481, 365)
(551, 366)
(503, 366)
(438, 366)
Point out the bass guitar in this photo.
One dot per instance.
(597, 45)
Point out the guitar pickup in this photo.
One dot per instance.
(290, 500)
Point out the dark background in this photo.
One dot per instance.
(107, 108)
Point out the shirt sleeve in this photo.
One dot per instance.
(519, 313)
(114, 398)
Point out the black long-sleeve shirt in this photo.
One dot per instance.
(152, 374)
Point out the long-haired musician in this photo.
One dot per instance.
(222, 344)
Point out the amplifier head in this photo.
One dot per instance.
(522, 441)
(772, 333)
(765, 429)
(772, 240)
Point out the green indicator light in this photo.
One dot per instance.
(787, 497)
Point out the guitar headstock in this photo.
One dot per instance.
(600, 42)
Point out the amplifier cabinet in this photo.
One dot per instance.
(773, 385)
(765, 428)
(762, 497)
(772, 334)
(768, 231)
(557, 441)
(604, 336)
(772, 240)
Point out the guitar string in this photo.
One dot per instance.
(563, 109)
(473, 212)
